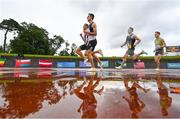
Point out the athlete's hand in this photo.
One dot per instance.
(121, 46)
(80, 34)
(78, 110)
(86, 32)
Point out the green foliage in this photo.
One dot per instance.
(73, 48)
(9, 25)
(31, 39)
(65, 51)
(55, 43)
(1, 49)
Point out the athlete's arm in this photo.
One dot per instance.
(138, 40)
(83, 38)
(164, 44)
(79, 109)
(94, 33)
(124, 44)
(96, 83)
(142, 103)
(79, 94)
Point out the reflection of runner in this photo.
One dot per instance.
(135, 104)
(131, 40)
(165, 100)
(159, 48)
(89, 104)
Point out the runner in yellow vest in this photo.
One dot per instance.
(159, 49)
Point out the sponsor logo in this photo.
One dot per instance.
(174, 65)
(66, 64)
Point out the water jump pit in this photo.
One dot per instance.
(77, 93)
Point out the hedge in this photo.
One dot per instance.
(76, 57)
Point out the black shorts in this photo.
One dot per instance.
(130, 51)
(90, 45)
(159, 52)
(83, 47)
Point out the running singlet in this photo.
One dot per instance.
(85, 37)
(91, 37)
(130, 41)
(158, 43)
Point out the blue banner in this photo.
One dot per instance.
(82, 73)
(105, 64)
(66, 64)
(25, 65)
(82, 64)
(173, 65)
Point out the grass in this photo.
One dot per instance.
(76, 57)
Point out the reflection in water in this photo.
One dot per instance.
(89, 104)
(135, 104)
(164, 99)
(113, 94)
(21, 99)
(24, 98)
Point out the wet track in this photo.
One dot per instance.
(43, 93)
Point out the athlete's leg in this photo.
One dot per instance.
(124, 59)
(88, 53)
(123, 62)
(136, 56)
(90, 48)
(128, 52)
(96, 58)
(98, 52)
(128, 100)
(157, 59)
(136, 85)
(99, 91)
(79, 52)
(126, 84)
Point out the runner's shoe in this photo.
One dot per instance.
(119, 67)
(143, 52)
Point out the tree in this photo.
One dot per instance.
(9, 25)
(65, 52)
(73, 48)
(55, 43)
(31, 40)
(1, 49)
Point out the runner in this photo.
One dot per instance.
(86, 40)
(86, 46)
(83, 47)
(92, 33)
(131, 41)
(159, 49)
